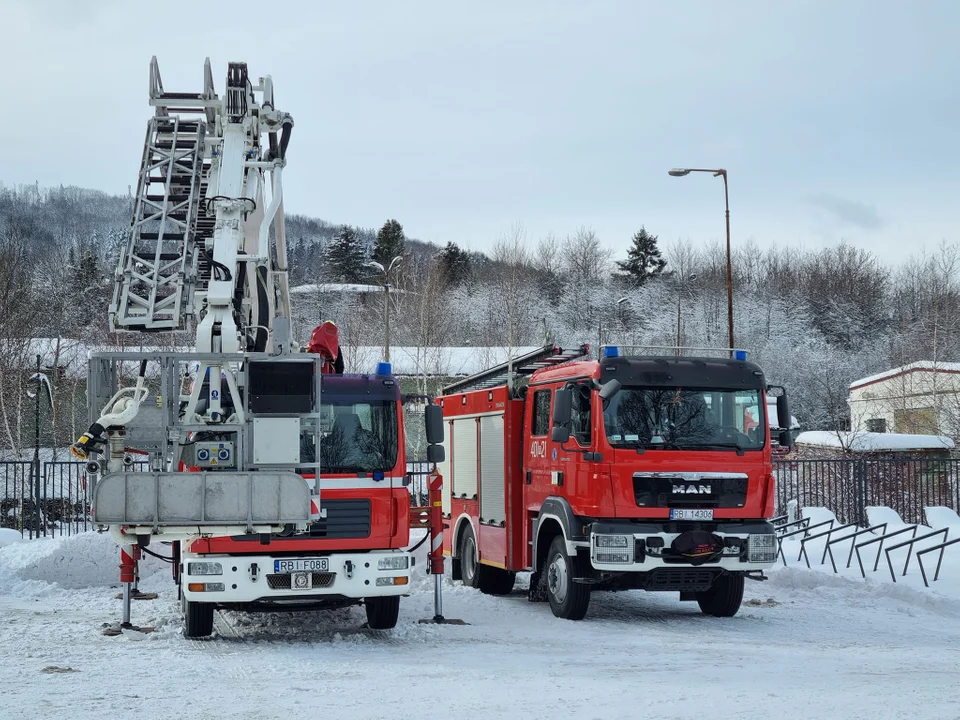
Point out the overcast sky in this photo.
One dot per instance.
(835, 120)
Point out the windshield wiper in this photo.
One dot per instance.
(715, 446)
(642, 447)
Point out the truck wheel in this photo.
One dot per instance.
(197, 619)
(494, 581)
(724, 598)
(469, 566)
(568, 600)
(382, 612)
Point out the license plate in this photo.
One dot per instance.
(691, 514)
(301, 565)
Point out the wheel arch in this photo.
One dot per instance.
(462, 521)
(556, 517)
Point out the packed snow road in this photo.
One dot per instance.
(805, 645)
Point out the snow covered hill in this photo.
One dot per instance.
(806, 644)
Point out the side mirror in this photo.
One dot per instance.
(435, 454)
(562, 407)
(560, 434)
(786, 439)
(433, 418)
(610, 389)
(783, 411)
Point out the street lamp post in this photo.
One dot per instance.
(386, 301)
(680, 172)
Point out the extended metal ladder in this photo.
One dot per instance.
(547, 356)
(159, 267)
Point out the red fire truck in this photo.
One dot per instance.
(649, 472)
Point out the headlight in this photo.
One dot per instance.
(762, 549)
(204, 568)
(617, 549)
(393, 562)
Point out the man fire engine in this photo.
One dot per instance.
(277, 480)
(650, 472)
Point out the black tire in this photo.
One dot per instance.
(568, 600)
(469, 560)
(724, 598)
(197, 619)
(382, 612)
(494, 581)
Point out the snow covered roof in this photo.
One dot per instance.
(338, 288)
(874, 442)
(920, 365)
(436, 361)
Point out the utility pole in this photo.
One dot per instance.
(36, 456)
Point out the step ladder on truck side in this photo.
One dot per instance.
(243, 433)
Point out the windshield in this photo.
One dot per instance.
(356, 435)
(679, 418)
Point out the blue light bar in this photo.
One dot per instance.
(610, 351)
(378, 475)
(740, 354)
(384, 368)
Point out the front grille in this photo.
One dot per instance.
(348, 518)
(666, 491)
(281, 581)
(682, 579)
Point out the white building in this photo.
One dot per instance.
(919, 398)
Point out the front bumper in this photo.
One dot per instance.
(650, 546)
(253, 578)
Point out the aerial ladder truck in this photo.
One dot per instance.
(274, 483)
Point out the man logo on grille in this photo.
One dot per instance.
(692, 489)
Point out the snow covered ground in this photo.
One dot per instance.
(807, 644)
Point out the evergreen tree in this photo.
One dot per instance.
(390, 243)
(643, 259)
(345, 256)
(454, 263)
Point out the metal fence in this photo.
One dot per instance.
(50, 499)
(55, 499)
(848, 487)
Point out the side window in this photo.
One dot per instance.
(580, 426)
(541, 413)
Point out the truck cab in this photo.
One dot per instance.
(351, 453)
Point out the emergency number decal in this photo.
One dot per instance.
(538, 448)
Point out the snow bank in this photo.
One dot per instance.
(9, 537)
(85, 560)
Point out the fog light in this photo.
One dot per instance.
(762, 549)
(623, 557)
(204, 568)
(393, 562)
